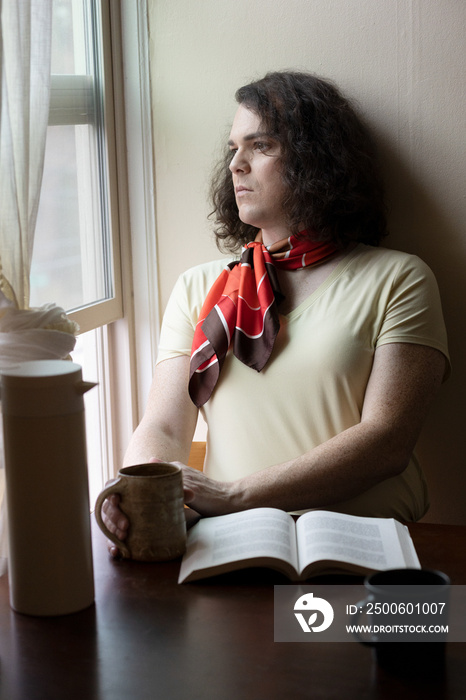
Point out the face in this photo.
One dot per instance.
(255, 167)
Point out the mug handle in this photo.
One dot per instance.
(113, 487)
(361, 606)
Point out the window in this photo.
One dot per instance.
(96, 215)
(76, 250)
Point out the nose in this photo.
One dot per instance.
(239, 162)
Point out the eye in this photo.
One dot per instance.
(261, 146)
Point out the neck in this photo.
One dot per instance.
(272, 235)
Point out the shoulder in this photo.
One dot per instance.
(183, 308)
(193, 285)
(388, 265)
(384, 256)
(198, 280)
(207, 270)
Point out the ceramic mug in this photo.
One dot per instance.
(151, 496)
(407, 613)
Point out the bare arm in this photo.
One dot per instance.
(167, 428)
(165, 432)
(402, 385)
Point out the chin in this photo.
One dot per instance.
(249, 218)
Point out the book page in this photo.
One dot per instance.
(407, 545)
(372, 543)
(259, 532)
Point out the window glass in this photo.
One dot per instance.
(72, 258)
(63, 41)
(75, 261)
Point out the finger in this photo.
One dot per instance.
(188, 494)
(114, 551)
(116, 521)
(111, 504)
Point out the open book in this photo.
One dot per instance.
(319, 542)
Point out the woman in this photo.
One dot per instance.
(316, 357)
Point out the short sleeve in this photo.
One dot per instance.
(413, 312)
(177, 330)
(183, 309)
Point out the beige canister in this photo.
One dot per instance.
(50, 552)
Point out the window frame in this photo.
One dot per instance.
(128, 345)
(126, 328)
(106, 311)
(135, 157)
(76, 101)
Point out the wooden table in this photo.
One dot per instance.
(148, 637)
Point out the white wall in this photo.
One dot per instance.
(403, 61)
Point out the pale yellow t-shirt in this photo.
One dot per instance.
(313, 385)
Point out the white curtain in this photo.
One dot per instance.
(26, 39)
(25, 334)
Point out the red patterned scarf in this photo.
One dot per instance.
(241, 309)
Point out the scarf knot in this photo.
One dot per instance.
(241, 309)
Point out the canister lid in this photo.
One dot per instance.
(43, 388)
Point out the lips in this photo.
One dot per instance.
(240, 190)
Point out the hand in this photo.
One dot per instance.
(116, 521)
(207, 496)
(204, 495)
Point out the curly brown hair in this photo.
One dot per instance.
(328, 161)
